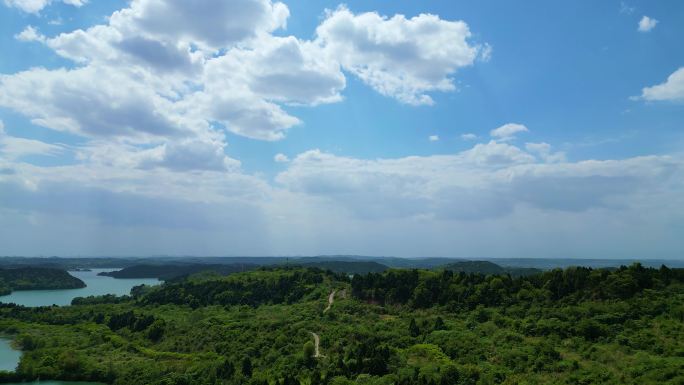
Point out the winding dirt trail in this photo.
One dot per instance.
(317, 341)
(331, 299)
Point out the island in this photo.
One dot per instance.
(37, 278)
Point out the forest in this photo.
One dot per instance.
(35, 278)
(401, 326)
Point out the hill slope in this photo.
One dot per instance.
(36, 278)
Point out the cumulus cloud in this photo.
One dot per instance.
(496, 154)
(404, 58)
(671, 90)
(488, 181)
(164, 69)
(29, 34)
(35, 6)
(190, 155)
(646, 24)
(209, 23)
(93, 102)
(281, 158)
(468, 136)
(321, 198)
(508, 131)
(433, 138)
(543, 151)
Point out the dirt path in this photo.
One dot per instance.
(331, 299)
(317, 341)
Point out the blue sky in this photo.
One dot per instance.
(383, 137)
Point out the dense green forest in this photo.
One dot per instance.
(34, 278)
(486, 267)
(171, 271)
(572, 326)
(177, 270)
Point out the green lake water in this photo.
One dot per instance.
(96, 285)
(9, 358)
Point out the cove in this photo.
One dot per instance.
(9, 358)
(95, 285)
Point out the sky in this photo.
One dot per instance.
(541, 129)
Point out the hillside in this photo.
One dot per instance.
(486, 267)
(36, 278)
(304, 326)
(349, 267)
(166, 272)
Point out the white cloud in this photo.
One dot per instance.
(398, 57)
(323, 202)
(508, 131)
(210, 24)
(35, 6)
(486, 52)
(190, 155)
(671, 90)
(94, 102)
(488, 181)
(468, 136)
(433, 138)
(12, 148)
(281, 158)
(543, 151)
(496, 154)
(646, 24)
(29, 34)
(162, 69)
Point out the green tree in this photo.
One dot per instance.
(414, 331)
(247, 367)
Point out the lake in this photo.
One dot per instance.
(96, 285)
(9, 358)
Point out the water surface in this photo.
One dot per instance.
(9, 358)
(96, 285)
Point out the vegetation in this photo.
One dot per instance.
(170, 271)
(573, 326)
(486, 267)
(35, 278)
(349, 267)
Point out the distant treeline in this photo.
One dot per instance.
(171, 271)
(174, 271)
(34, 278)
(486, 267)
(421, 289)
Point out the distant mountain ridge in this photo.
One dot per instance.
(392, 262)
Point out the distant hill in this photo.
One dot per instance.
(36, 278)
(167, 272)
(392, 262)
(349, 267)
(486, 267)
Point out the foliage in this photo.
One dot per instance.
(575, 326)
(36, 278)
